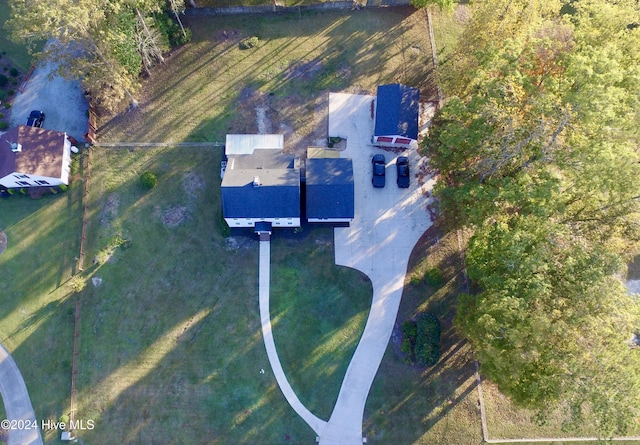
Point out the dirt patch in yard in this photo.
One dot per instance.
(110, 210)
(193, 183)
(174, 216)
(304, 70)
(3, 242)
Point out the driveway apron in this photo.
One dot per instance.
(17, 404)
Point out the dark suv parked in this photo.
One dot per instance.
(36, 118)
(402, 167)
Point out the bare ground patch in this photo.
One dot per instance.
(110, 210)
(3, 242)
(174, 216)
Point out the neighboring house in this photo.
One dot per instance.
(329, 190)
(261, 184)
(396, 119)
(34, 157)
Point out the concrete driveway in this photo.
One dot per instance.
(388, 223)
(62, 102)
(17, 403)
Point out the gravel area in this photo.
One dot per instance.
(62, 102)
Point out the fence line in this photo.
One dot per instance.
(85, 214)
(158, 144)
(269, 9)
(73, 366)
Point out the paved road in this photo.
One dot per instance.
(16, 400)
(62, 102)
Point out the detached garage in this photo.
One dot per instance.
(396, 119)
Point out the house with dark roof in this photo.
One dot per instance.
(329, 190)
(34, 157)
(260, 185)
(396, 118)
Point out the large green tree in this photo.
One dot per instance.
(104, 43)
(537, 151)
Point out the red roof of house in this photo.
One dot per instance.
(42, 152)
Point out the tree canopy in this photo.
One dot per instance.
(537, 151)
(106, 44)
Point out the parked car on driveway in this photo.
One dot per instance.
(402, 166)
(378, 176)
(35, 119)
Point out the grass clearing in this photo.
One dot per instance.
(438, 404)
(210, 87)
(171, 345)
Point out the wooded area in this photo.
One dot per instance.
(537, 151)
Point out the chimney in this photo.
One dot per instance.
(256, 181)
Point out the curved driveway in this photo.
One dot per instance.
(16, 400)
(388, 222)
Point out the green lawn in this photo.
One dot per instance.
(437, 405)
(319, 311)
(211, 87)
(36, 294)
(171, 346)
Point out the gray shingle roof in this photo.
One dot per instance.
(278, 192)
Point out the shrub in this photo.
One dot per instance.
(3, 93)
(7, 105)
(433, 277)
(249, 42)
(62, 188)
(331, 141)
(148, 180)
(225, 230)
(409, 333)
(3, 125)
(10, 92)
(427, 348)
(13, 72)
(3, 80)
(169, 27)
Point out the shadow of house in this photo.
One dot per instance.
(34, 157)
(396, 117)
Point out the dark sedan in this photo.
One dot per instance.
(36, 118)
(402, 167)
(378, 177)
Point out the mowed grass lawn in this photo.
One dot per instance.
(171, 345)
(36, 293)
(210, 87)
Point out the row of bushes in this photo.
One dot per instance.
(421, 340)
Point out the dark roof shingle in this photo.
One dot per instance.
(397, 108)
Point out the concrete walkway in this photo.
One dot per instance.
(16, 400)
(265, 319)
